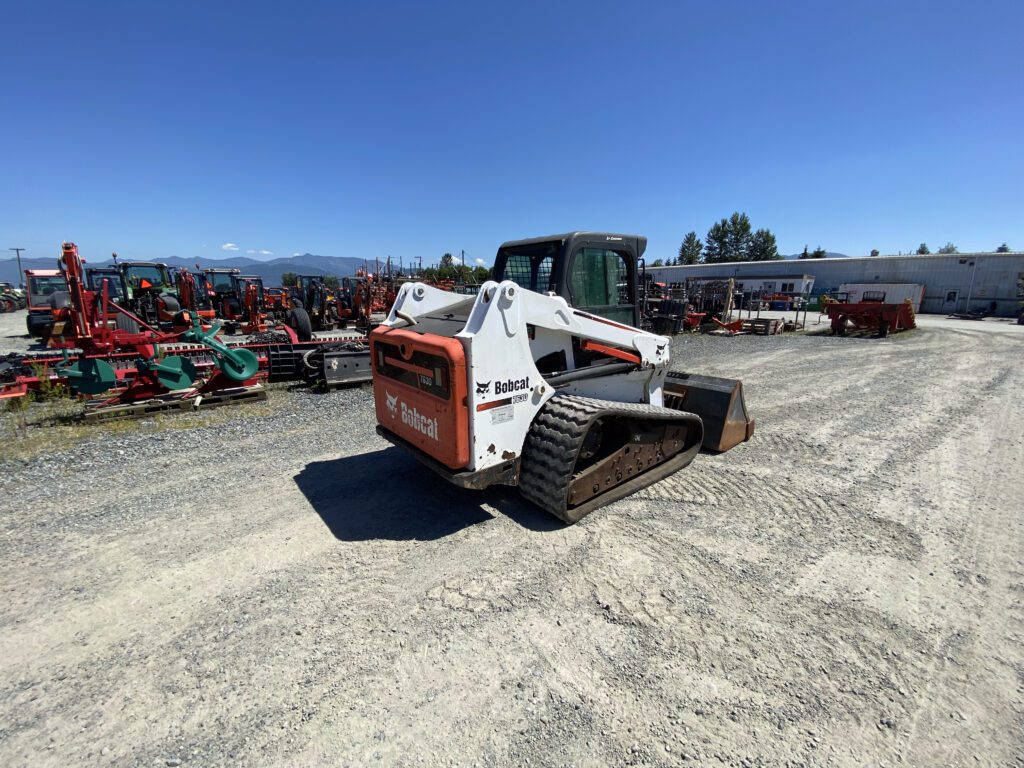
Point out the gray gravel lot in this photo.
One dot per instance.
(276, 585)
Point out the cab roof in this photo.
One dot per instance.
(638, 241)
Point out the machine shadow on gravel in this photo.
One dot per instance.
(386, 494)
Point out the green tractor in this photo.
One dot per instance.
(11, 298)
(143, 288)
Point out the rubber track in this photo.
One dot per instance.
(554, 441)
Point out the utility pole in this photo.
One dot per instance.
(21, 275)
(463, 257)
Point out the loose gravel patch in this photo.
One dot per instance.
(276, 585)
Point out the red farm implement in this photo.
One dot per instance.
(105, 351)
(731, 328)
(871, 314)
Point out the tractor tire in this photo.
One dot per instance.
(126, 324)
(298, 321)
(170, 303)
(8, 304)
(60, 300)
(232, 308)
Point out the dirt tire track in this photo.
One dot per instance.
(285, 589)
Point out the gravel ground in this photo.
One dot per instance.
(275, 585)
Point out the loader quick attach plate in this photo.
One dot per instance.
(420, 392)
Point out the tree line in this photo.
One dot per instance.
(448, 269)
(948, 248)
(731, 239)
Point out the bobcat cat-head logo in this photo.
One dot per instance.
(482, 387)
(392, 401)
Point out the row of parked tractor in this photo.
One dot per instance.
(11, 299)
(137, 337)
(154, 294)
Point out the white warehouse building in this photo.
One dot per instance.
(956, 282)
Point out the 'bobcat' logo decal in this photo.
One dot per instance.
(482, 387)
(392, 401)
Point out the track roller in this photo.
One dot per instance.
(582, 453)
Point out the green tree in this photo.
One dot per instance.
(480, 274)
(763, 246)
(739, 237)
(331, 281)
(1004, 248)
(874, 251)
(289, 279)
(716, 243)
(805, 254)
(447, 260)
(948, 248)
(657, 263)
(922, 249)
(818, 253)
(690, 249)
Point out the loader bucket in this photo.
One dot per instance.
(718, 402)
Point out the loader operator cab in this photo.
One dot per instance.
(222, 281)
(594, 271)
(241, 285)
(94, 277)
(146, 277)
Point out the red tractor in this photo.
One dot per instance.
(194, 293)
(45, 290)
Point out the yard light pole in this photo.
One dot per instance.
(21, 275)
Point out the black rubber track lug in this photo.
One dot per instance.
(553, 444)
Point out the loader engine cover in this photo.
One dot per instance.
(419, 392)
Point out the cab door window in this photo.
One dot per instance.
(600, 282)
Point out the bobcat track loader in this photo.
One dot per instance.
(542, 381)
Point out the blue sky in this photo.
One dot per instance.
(367, 129)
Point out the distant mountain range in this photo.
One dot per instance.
(270, 271)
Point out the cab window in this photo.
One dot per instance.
(600, 281)
(45, 286)
(530, 266)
